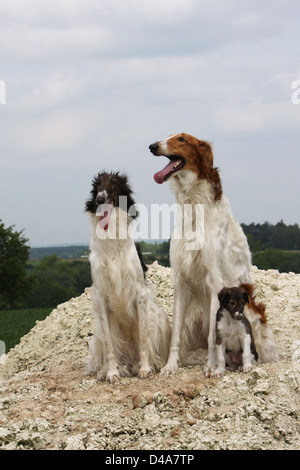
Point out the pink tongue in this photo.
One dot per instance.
(160, 175)
(103, 212)
(102, 221)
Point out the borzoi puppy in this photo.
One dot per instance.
(132, 334)
(234, 338)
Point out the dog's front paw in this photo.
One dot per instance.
(145, 373)
(210, 370)
(169, 369)
(217, 373)
(101, 375)
(246, 368)
(112, 377)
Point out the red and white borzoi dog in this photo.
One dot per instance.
(132, 333)
(224, 259)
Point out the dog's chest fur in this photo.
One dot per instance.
(231, 331)
(117, 273)
(223, 241)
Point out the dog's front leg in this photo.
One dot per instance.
(178, 316)
(212, 359)
(145, 369)
(220, 371)
(112, 374)
(246, 343)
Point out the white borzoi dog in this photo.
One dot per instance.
(223, 260)
(132, 333)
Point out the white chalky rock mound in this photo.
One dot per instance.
(47, 402)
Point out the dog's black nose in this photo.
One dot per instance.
(154, 147)
(100, 200)
(238, 315)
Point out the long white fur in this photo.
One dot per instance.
(198, 276)
(132, 333)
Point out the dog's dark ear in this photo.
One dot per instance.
(90, 205)
(245, 297)
(223, 295)
(205, 151)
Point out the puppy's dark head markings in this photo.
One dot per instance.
(234, 300)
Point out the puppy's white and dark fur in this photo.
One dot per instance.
(234, 339)
(223, 259)
(132, 333)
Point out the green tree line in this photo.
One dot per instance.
(47, 283)
(274, 246)
(54, 281)
(279, 236)
(14, 282)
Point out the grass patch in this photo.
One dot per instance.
(16, 323)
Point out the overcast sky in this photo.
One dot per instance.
(91, 83)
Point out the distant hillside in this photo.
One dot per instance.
(64, 252)
(272, 246)
(77, 251)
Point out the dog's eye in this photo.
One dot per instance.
(182, 139)
(113, 182)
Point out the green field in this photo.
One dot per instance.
(16, 323)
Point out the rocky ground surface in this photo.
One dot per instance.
(46, 401)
